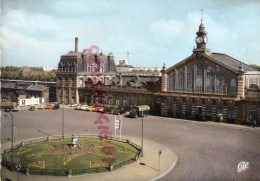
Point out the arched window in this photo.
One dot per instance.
(220, 81)
(210, 79)
(101, 69)
(171, 82)
(190, 78)
(199, 76)
(180, 80)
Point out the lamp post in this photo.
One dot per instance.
(12, 138)
(142, 151)
(159, 153)
(63, 119)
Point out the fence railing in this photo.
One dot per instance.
(34, 171)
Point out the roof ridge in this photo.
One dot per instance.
(232, 58)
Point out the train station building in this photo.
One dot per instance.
(205, 85)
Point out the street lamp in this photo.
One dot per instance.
(159, 153)
(63, 119)
(12, 137)
(142, 149)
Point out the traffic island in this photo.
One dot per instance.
(151, 166)
(70, 156)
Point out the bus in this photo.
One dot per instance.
(139, 111)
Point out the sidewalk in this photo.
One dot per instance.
(237, 126)
(146, 168)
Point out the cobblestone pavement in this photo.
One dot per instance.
(205, 150)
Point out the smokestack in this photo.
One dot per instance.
(76, 44)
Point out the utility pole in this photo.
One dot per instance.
(12, 138)
(142, 151)
(128, 53)
(63, 119)
(12, 158)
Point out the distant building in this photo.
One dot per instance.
(14, 90)
(128, 70)
(47, 69)
(77, 68)
(78, 72)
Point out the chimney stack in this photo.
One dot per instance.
(76, 44)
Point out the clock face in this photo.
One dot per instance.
(205, 39)
(199, 39)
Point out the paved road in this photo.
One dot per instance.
(206, 151)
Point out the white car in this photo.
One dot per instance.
(74, 105)
(83, 107)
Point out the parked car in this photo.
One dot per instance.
(102, 109)
(41, 106)
(56, 106)
(96, 108)
(32, 108)
(90, 108)
(48, 106)
(83, 107)
(15, 109)
(74, 105)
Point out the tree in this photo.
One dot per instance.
(257, 67)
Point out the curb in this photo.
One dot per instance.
(169, 170)
(237, 126)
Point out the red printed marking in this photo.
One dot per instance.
(102, 121)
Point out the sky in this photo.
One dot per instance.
(38, 32)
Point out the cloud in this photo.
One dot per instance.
(168, 27)
(12, 39)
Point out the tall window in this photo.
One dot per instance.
(88, 69)
(233, 87)
(171, 83)
(208, 110)
(117, 102)
(179, 108)
(110, 101)
(101, 68)
(180, 80)
(199, 77)
(190, 78)
(188, 108)
(210, 79)
(170, 107)
(220, 81)
(219, 108)
(231, 111)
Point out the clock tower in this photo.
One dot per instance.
(201, 39)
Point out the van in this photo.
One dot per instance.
(139, 111)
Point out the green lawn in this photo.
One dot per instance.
(58, 155)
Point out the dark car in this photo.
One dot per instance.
(15, 110)
(56, 106)
(32, 108)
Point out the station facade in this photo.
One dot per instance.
(205, 85)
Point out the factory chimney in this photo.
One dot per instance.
(76, 44)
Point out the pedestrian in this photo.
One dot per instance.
(254, 123)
